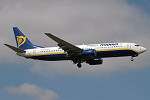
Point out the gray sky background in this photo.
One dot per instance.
(78, 22)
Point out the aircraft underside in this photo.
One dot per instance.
(100, 54)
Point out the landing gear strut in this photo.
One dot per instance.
(132, 59)
(79, 65)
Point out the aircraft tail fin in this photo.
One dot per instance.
(22, 41)
(15, 49)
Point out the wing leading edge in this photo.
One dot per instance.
(72, 50)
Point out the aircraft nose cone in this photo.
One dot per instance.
(143, 49)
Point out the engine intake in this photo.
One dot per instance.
(95, 61)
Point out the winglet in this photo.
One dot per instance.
(15, 48)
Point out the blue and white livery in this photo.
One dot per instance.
(89, 53)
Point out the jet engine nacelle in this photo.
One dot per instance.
(89, 52)
(95, 61)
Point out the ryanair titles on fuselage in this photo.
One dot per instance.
(109, 44)
(105, 44)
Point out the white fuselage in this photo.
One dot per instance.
(106, 48)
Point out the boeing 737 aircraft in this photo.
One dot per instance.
(91, 54)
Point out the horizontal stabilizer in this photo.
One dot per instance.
(15, 49)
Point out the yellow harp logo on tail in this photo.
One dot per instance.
(21, 40)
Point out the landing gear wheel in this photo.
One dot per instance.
(79, 65)
(132, 59)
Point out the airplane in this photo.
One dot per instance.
(91, 54)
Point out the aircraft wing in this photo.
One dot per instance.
(67, 47)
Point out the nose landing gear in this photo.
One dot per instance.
(132, 59)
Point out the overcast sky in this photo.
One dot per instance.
(78, 22)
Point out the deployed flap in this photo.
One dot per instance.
(15, 49)
(71, 49)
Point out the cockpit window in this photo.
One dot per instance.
(137, 45)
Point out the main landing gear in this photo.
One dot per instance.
(79, 65)
(77, 61)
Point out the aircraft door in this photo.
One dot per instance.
(34, 52)
(129, 46)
